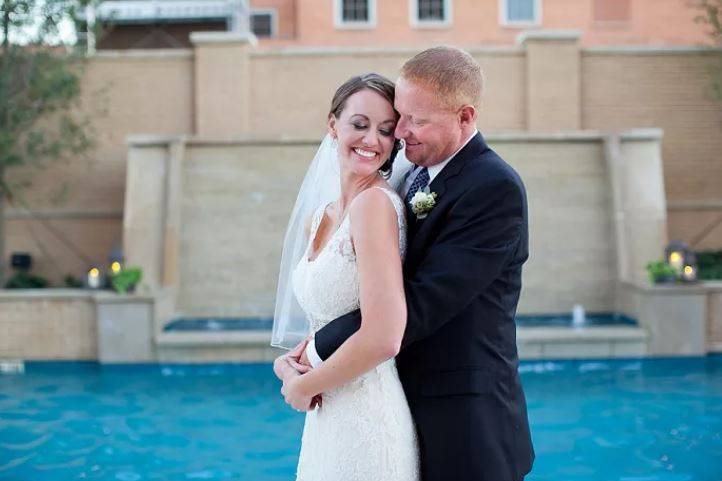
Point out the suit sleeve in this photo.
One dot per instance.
(332, 335)
(477, 241)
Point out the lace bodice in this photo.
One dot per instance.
(364, 429)
(328, 286)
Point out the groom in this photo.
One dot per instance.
(462, 277)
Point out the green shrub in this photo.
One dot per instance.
(72, 281)
(23, 280)
(709, 265)
(660, 271)
(126, 280)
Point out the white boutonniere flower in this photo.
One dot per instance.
(422, 202)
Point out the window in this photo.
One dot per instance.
(431, 13)
(520, 12)
(263, 23)
(355, 13)
(611, 10)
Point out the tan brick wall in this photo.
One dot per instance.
(56, 326)
(150, 93)
(237, 196)
(671, 90)
(290, 90)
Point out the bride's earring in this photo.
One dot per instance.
(334, 144)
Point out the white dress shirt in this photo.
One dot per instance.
(434, 170)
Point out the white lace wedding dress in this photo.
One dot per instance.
(364, 430)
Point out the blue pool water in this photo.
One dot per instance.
(626, 420)
(260, 323)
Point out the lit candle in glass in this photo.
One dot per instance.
(676, 260)
(115, 267)
(689, 274)
(94, 278)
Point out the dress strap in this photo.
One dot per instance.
(397, 203)
(315, 223)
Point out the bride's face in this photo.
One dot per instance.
(365, 132)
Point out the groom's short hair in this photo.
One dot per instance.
(450, 71)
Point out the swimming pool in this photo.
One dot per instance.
(627, 420)
(523, 320)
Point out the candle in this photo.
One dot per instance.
(94, 278)
(689, 273)
(676, 260)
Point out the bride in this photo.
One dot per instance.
(343, 250)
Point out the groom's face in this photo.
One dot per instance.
(430, 129)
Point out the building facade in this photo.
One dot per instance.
(412, 23)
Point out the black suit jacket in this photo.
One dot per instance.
(458, 362)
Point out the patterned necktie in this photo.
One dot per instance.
(419, 183)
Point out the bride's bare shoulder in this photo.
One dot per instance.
(372, 202)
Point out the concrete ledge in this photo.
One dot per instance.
(584, 343)
(220, 37)
(200, 347)
(141, 140)
(548, 35)
(651, 50)
(197, 339)
(696, 288)
(109, 297)
(152, 140)
(642, 134)
(106, 296)
(151, 54)
(59, 214)
(590, 334)
(51, 293)
(272, 52)
(693, 205)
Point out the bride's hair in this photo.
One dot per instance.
(368, 81)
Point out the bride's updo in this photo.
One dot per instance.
(368, 81)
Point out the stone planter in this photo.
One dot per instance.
(125, 328)
(674, 315)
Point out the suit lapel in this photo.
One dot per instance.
(420, 229)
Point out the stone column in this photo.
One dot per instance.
(145, 206)
(553, 80)
(639, 203)
(221, 83)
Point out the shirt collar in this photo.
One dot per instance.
(436, 168)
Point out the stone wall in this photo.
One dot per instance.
(206, 219)
(225, 88)
(48, 324)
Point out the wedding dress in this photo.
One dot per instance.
(364, 430)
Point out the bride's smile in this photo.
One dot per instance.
(365, 153)
(364, 130)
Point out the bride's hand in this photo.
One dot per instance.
(294, 396)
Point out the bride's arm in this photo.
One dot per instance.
(375, 233)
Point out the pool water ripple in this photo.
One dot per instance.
(628, 420)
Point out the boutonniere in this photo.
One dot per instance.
(422, 202)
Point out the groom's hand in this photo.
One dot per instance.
(298, 358)
(292, 359)
(303, 360)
